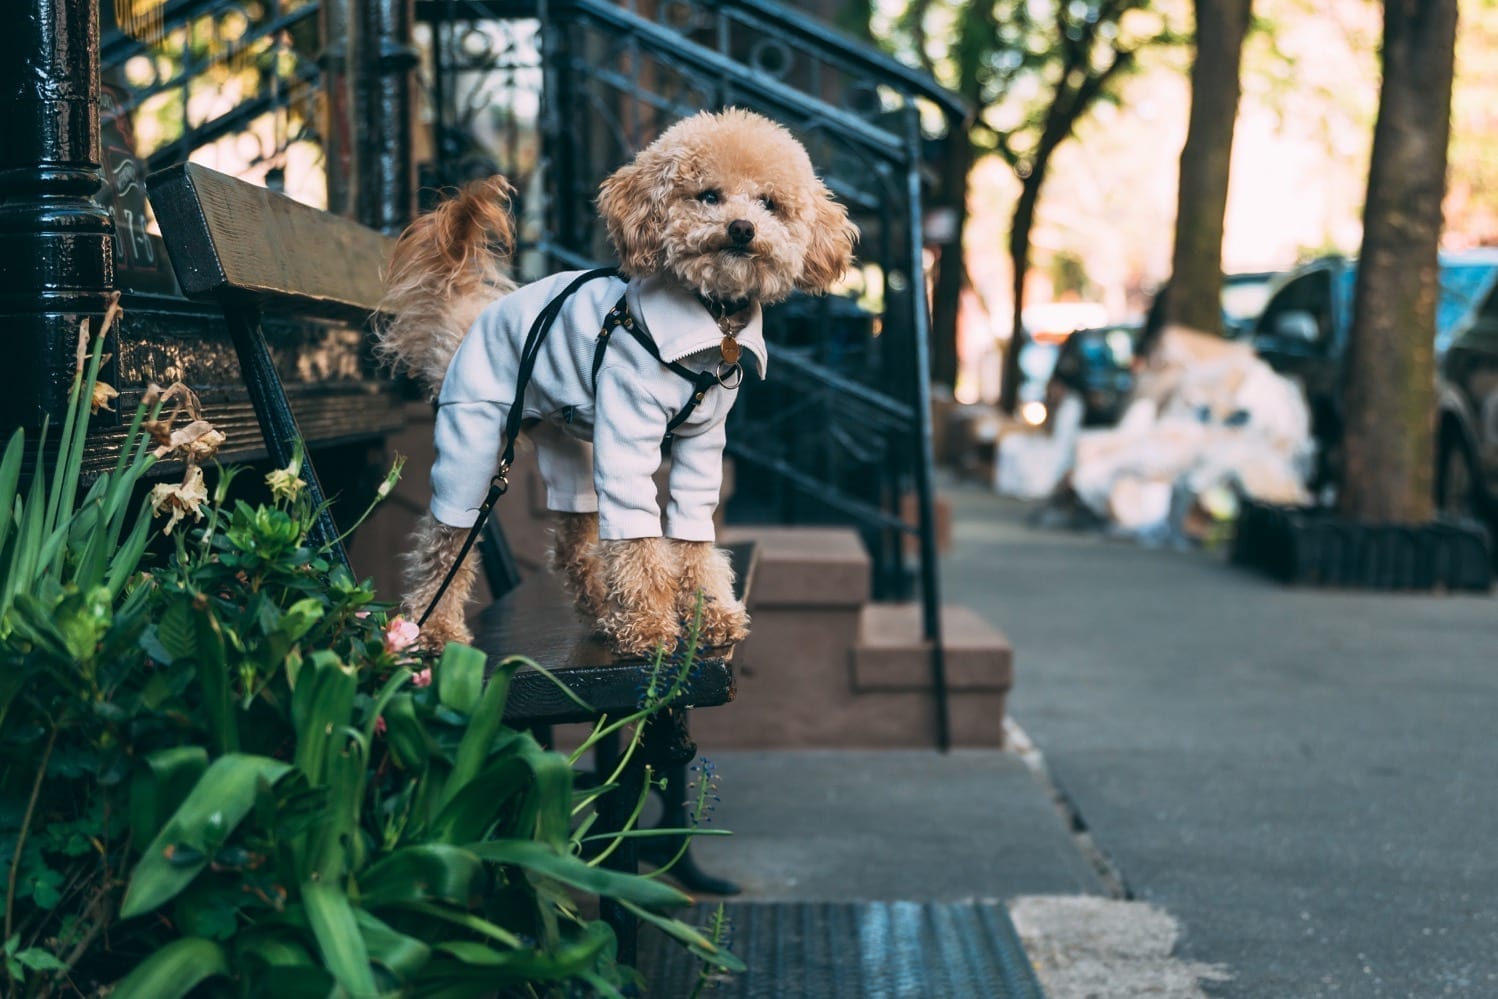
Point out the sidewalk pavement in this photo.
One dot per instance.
(1303, 780)
(1306, 779)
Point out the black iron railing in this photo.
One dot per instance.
(842, 431)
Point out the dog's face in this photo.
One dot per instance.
(730, 205)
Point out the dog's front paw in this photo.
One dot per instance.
(723, 623)
(439, 631)
(637, 632)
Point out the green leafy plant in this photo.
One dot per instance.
(232, 772)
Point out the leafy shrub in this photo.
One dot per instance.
(231, 772)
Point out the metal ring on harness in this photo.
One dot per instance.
(725, 371)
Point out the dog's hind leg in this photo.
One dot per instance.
(707, 576)
(575, 560)
(435, 545)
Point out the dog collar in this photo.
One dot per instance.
(681, 323)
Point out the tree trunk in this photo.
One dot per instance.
(1391, 356)
(1196, 267)
(1019, 256)
(951, 267)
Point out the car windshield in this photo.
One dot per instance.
(1462, 288)
(1244, 300)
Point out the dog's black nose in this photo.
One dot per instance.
(741, 232)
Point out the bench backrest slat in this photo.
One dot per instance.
(225, 235)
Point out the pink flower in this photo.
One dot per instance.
(380, 725)
(422, 678)
(400, 634)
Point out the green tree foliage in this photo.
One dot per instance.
(1033, 69)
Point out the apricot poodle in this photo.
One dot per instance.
(720, 215)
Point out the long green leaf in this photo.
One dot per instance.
(543, 860)
(549, 807)
(174, 971)
(213, 676)
(483, 725)
(127, 556)
(218, 802)
(323, 700)
(10, 478)
(689, 935)
(471, 961)
(338, 938)
(403, 955)
(157, 791)
(407, 737)
(460, 677)
(345, 773)
(432, 872)
(467, 920)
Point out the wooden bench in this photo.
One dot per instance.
(253, 252)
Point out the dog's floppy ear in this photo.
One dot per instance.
(829, 250)
(632, 201)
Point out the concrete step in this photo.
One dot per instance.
(892, 655)
(806, 567)
(835, 677)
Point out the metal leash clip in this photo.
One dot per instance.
(735, 371)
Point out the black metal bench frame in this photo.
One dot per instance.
(251, 251)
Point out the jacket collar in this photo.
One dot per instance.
(681, 325)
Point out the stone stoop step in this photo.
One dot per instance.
(822, 669)
(892, 655)
(806, 567)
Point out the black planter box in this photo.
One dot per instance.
(1310, 546)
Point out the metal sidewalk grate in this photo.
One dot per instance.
(857, 950)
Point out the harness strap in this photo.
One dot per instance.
(618, 317)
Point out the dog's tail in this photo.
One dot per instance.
(446, 266)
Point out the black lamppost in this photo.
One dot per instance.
(56, 241)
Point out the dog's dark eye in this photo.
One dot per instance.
(709, 197)
(768, 202)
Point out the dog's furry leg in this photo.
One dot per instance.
(434, 547)
(705, 570)
(641, 577)
(575, 560)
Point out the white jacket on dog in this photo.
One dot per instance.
(596, 452)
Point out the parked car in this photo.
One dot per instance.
(1099, 362)
(1305, 326)
(1243, 298)
(1467, 434)
(1099, 365)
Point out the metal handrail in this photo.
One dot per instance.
(869, 62)
(881, 143)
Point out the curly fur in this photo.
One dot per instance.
(641, 576)
(673, 209)
(705, 570)
(574, 557)
(446, 266)
(434, 546)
